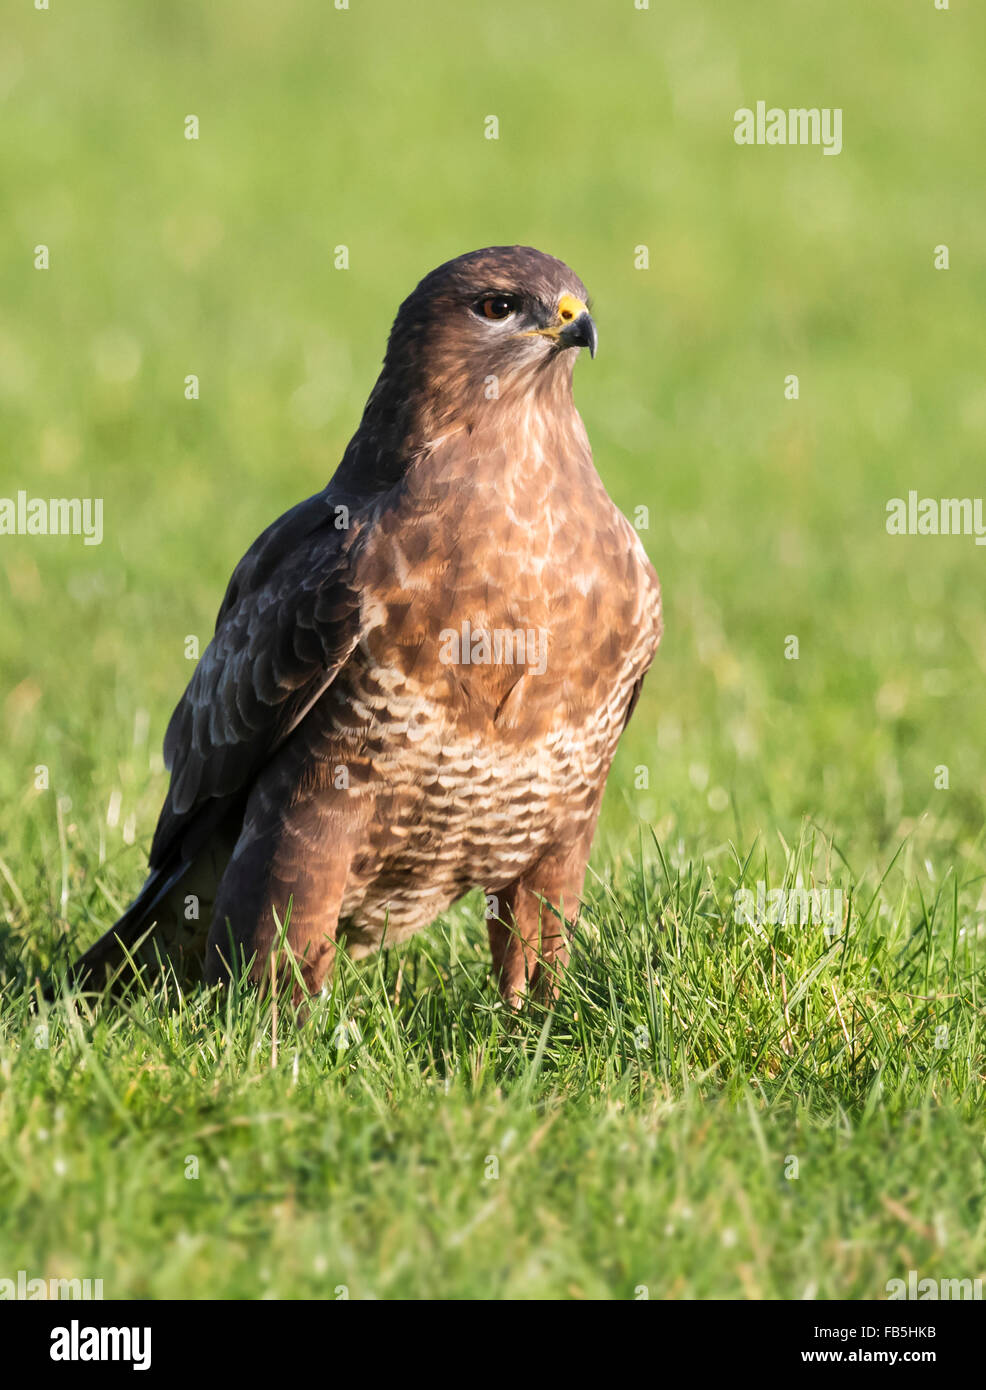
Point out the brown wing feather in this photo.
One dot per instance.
(288, 623)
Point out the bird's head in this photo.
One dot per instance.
(491, 323)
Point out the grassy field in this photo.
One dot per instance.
(715, 1108)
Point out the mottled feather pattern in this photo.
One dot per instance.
(345, 762)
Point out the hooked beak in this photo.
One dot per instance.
(581, 332)
(572, 326)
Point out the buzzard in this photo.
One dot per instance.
(418, 676)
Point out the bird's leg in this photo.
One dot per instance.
(286, 941)
(531, 923)
(288, 895)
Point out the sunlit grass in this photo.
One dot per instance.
(643, 1132)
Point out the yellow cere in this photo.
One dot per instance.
(569, 308)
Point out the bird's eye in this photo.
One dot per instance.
(496, 306)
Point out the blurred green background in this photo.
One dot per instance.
(365, 128)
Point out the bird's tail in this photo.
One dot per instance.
(169, 920)
(132, 935)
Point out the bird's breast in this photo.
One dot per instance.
(505, 623)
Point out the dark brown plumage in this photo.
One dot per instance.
(344, 743)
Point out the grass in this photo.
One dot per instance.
(645, 1132)
(710, 1111)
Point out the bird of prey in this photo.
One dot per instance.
(418, 676)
